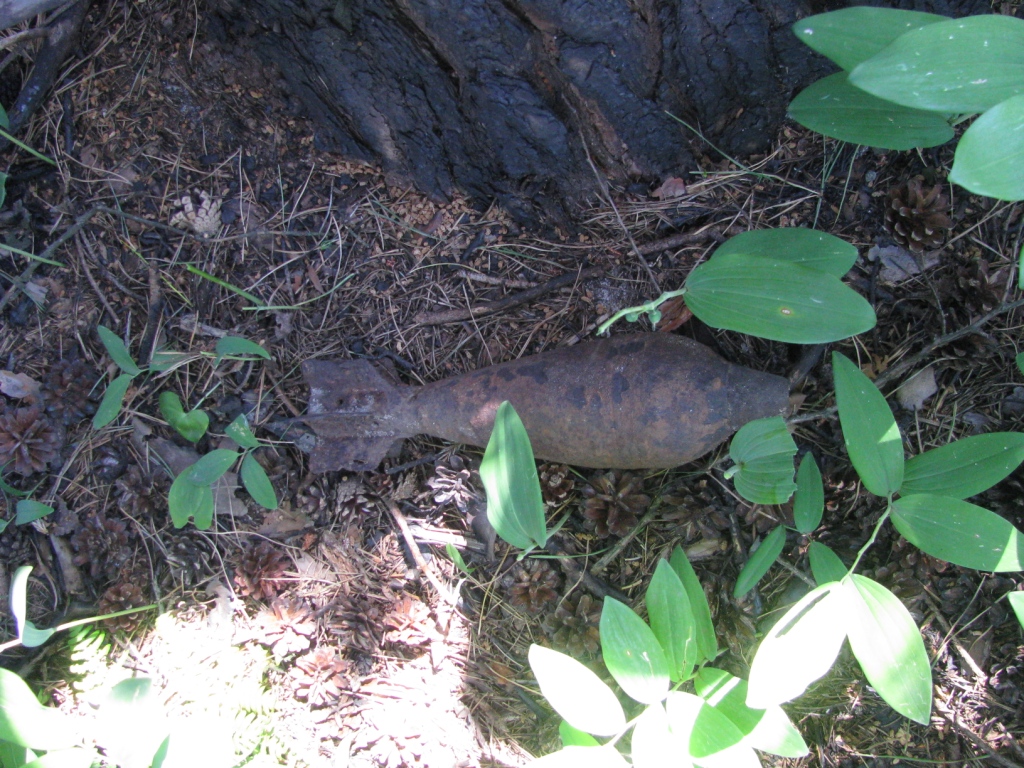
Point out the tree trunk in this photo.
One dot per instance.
(516, 100)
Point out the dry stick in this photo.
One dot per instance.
(95, 286)
(963, 730)
(685, 238)
(458, 315)
(417, 556)
(902, 367)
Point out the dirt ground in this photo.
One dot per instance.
(190, 201)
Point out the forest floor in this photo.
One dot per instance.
(197, 206)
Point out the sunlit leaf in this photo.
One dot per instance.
(851, 35)
(515, 507)
(632, 653)
(236, 345)
(776, 300)
(238, 430)
(1016, 600)
(809, 501)
(763, 451)
(872, 438)
(191, 425)
(211, 467)
(799, 649)
(188, 500)
(29, 510)
(118, 351)
(29, 635)
(835, 108)
(959, 532)
(456, 557)
(76, 757)
(889, 647)
(707, 644)
(825, 564)
(797, 245)
(966, 467)
(668, 610)
(576, 693)
(26, 722)
(653, 740)
(990, 154)
(256, 482)
(112, 401)
(697, 723)
(574, 737)
(760, 561)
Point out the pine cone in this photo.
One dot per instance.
(68, 391)
(29, 441)
(319, 678)
(260, 573)
(288, 627)
(359, 624)
(121, 597)
(696, 510)
(353, 501)
(451, 486)
(16, 546)
(556, 483)
(612, 503)
(574, 627)
(140, 493)
(187, 556)
(102, 544)
(534, 584)
(916, 217)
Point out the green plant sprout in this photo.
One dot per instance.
(907, 78)
(779, 284)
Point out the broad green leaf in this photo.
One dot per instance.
(776, 300)
(161, 753)
(256, 482)
(825, 564)
(29, 635)
(956, 66)
(965, 467)
(632, 653)
(797, 245)
(700, 725)
(768, 730)
(872, 438)
(118, 351)
(1016, 600)
(736, 756)
(574, 737)
(809, 502)
(763, 451)
(14, 756)
(990, 154)
(582, 757)
(668, 609)
(5, 120)
(760, 561)
(653, 740)
(851, 35)
(515, 507)
(191, 425)
(707, 644)
(1019, 359)
(29, 510)
(799, 649)
(236, 345)
(889, 647)
(211, 467)
(76, 757)
(576, 693)
(112, 401)
(26, 722)
(4, 524)
(835, 108)
(187, 500)
(959, 532)
(238, 430)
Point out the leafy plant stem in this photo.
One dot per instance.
(874, 534)
(650, 306)
(27, 148)
(79, 622)
(225, 284)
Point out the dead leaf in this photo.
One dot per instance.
(673, 186)
(284, 520)
(918, 388)
(20, 386)
(898, 264)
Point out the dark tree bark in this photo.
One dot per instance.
(513, 99)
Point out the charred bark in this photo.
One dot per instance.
(514, 99)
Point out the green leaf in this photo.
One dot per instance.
(456, 557)
(799, 649)
(118, 351)
(5, 120)
(835, 108)
(29, 635)
(112, 401)
(256, 482)
(966, 467)
(796, 245)
(694, 721)
(236, 345)
(29, 510)
(515, 507)
(161, 753)
(576, 693)
(872, 438)
(238, 430)
(851, 35)
(776, 300)
(187, 500)
(652, 738)
(809, 502)
(760, 561)
(26, 722)
(14, 756)
(574, 737)
(3, 186)
(889, 647)
(1019, 359)
(990, 154)
(165, 360)
(825, 564)
(211, 467)
(632, 653)
(707, 644)
(1016, 600)
(768, 730)
(955, 66)
(959, 532)
(192, 425)
(763, 451)
(580, 757)
(76, 757)
(668, 609)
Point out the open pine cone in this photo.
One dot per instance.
(260, 573)
(102, 544)
(534, 584)
(916, 217)
(121, 597)
(613, 502)
(318, 677)
(556, 483)
(29, 441)
(574, 626)
(68, 390)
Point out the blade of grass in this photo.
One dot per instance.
(27, 148)
(224, 284)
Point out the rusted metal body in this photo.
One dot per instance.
(638, 401)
